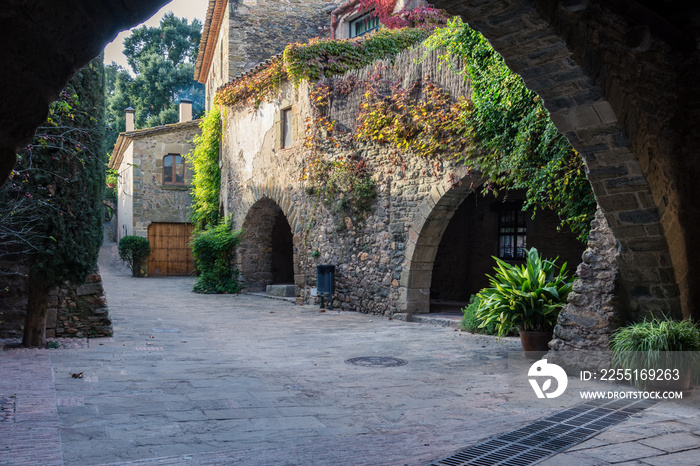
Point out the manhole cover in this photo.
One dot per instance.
(376, 361)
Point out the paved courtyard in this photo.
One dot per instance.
(218, 379)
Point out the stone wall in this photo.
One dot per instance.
(384, 261)
(258, 29)
(79, 310)
(596, 305)
(73, 310)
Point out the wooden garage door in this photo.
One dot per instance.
(170, 249)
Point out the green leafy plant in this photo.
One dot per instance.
(527, 296)
(111, 184)
(514, 141)
(213, 250)
(51, 344)
(206, 182)
(656, 344)
(134, 250)
(471, 323)
(313, 60)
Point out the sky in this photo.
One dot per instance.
(189, 9)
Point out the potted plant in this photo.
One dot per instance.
(527, 296)
(657, 354)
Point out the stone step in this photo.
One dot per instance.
(287, 291)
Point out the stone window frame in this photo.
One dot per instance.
(184, 171)
(286, 128)
(512, 229)
(287, 104)
(367, 17)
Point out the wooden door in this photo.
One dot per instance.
(170, 249)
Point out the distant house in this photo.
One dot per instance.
(153, 190)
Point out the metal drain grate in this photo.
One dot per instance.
(376, 361)
(544, 438)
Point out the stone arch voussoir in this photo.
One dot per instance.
(542, 42)
(256, 216)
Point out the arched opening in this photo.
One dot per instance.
(266, 253)
(484, 226)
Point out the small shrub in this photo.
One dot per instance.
(213, 253)
(52, 344)
(656, 344)
(471, 323)
(134, 250)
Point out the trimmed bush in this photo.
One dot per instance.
(471, 323)
(213, 251)
(134, 250)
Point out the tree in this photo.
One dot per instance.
(58, 182)
(162, 59)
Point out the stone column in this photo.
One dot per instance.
(594, 310)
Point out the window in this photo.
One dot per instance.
(511, 234)
(173, 170)
(364, 24)
(287, 134)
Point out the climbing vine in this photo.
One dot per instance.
(514, 141)
(314, 60)
(206, 181)
(430, 126)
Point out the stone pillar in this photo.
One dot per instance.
(594, 310)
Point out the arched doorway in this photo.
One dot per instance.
(484, 226)
(266, 253)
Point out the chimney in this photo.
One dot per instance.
(129, 112)
(185, 110)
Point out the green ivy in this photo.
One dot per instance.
(206, 181)
(313, 60)
(331, 57)
(515, 142)
(212, 250)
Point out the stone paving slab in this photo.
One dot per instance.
(251, 381)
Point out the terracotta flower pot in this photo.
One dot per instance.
(535, 341)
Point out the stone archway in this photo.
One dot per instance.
(616, 80)
(424, 238)
(455, 235)
(266, 253)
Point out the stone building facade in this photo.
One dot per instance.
(239, 34)
(153, 198)
(430, 232)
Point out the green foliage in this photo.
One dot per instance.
(162, 59)
(471, 323)
(528, 296)
(516, 145)
(51, 344)
(206, 181)
(316, 59)
(134, 250)
(213, 251)
(329, 57)
(655, 344)
(111, 183)
(431, 126)
(59, 178)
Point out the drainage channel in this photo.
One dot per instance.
(549, 436)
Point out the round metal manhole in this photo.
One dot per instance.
(376, 361)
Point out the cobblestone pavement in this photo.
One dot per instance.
(197, 379)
